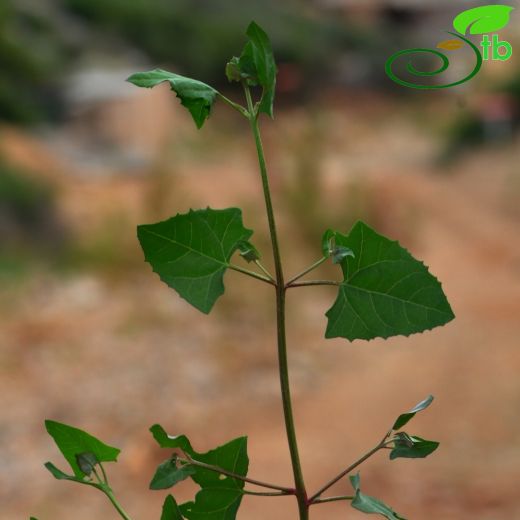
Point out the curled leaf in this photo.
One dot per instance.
(406, 417)
(370, 505)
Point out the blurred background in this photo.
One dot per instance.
(89, 336)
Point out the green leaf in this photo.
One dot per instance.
(483, 19)
(73, 441)
(220, 496)
(386, 291)
(86, 462)
(370, 505)
(248, 251)
(416, 449)
(195, 95)
(168, 474)
(191, 252)
(257, 62)
(170, 510)
(405, 417)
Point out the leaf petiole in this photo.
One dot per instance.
(267, 273)
(253, 274)
(232, 104)
(332, 499)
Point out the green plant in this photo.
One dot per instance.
(383, 292)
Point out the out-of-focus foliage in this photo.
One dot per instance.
(31, 55)
(488, 125)
(201, 38)
(41, 40)
(30, 228)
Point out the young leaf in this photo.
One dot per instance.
(73, 441)
(220, 496)
(191, 252)
(405, 417)
(248, 251)
(257, 63)
(330, 249)
(170, 510)
(86, 462)
(168, 474)
(370, 505)
(483, 19)
(416, 449)
(195, 95)
(386, 292)
(258, 51)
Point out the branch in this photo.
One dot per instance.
(216, 469)
(258, 276)
(312, 282)
(382, 444)
(267, 273)
(232, 104)
(268, 493)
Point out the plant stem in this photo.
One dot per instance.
(109, 493)
(258, 276)
(313, 282)
(353, 466)
(308, 270)
(217, 469)
(301, 494)
(332, 499)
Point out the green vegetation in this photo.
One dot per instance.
(383, 291)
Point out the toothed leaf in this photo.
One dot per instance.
(386, 291)
(191, 252)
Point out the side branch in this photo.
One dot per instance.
(247, 272)
(315, 498)
(312, 282)
(216, 469)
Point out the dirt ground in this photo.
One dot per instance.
(116, 352)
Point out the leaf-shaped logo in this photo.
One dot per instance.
(484, 19)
